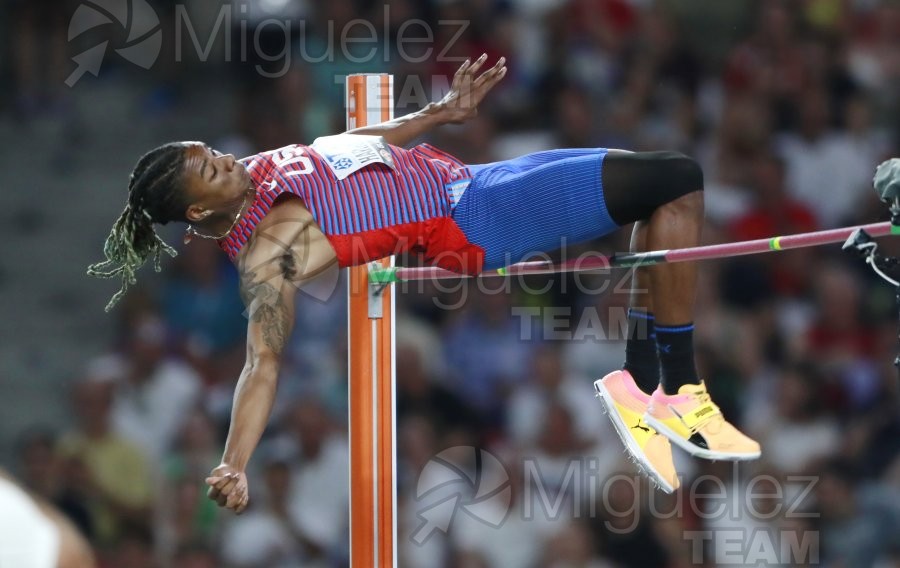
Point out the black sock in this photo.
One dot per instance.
(675, 344)
(641, 359)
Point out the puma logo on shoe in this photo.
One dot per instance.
(638, 425)
(704, 411)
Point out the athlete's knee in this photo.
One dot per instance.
(689, 205)
(683, 172)
(639, 184)
(684, 190)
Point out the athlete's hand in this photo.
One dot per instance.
(228, 488)
(467, 90)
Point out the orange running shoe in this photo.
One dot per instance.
(626, 405)
(692, 421)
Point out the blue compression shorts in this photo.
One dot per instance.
(534, 203)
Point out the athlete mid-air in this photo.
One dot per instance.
(285, 216)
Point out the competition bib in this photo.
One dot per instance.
(347, 153)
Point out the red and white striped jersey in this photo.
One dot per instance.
(375, 212)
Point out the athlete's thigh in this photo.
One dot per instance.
(535, 203)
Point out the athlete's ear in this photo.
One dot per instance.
(196, 213)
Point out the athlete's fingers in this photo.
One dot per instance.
(500, 75)
(493, 80)
(243, 505)
(487, 78)
(234, 498)
(216, 496)
(459, 77)
(220, 485)
(213, 479)
(229, 488)
(492, 73)
(496, 66)
(477, 65)
(225, 481)
(501, 66)
(461, 71)
(213, 491)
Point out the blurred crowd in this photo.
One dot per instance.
(788, 105)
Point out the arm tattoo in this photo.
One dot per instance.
(268, 309)
(273, 317)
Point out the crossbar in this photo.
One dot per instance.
(598, 262)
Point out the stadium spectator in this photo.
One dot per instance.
(110, 474)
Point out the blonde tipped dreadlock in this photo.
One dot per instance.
(154, 196)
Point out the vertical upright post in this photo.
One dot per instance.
(373, 489)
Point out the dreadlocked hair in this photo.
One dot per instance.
(154, 196)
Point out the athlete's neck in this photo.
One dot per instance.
(220, 224)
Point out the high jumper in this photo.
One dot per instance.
(287, 215)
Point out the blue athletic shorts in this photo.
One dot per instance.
(534, 203)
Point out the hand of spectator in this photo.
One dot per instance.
(467, 90)
(228, 487)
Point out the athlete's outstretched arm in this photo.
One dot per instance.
(269, 297)
(459, 105)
